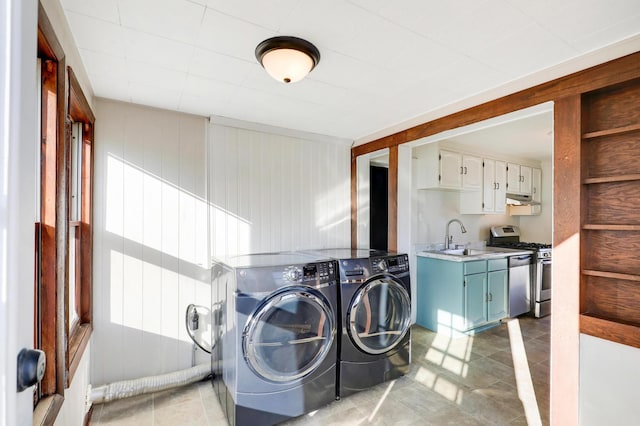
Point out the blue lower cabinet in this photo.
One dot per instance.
(498, 288)
(454, 297)
(475, 304)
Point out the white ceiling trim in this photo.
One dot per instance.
(274, 130)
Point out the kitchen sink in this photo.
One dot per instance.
(466, 252)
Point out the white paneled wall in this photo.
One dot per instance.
(267, 193)
(272, 193)
(150, 239)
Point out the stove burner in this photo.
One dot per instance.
(522, 245)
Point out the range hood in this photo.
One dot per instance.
(514, 199)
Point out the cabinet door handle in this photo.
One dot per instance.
(461, 170)
(490, 297)
(497, 185)
(465, 170)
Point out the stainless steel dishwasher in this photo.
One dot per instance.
(520, 284)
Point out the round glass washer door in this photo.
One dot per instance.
(289, 335)
(379, 315)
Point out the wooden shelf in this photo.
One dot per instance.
(609, 179)
(616, 331)
(614, 275)
(609, 132)
(610, 227)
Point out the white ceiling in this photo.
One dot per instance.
(383, 62)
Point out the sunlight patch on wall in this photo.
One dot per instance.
(144, 208)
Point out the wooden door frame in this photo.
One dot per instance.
(565, 92)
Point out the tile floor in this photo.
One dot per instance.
(452, 381)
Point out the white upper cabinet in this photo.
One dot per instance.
(491, 198)
(536, 190)
(445, 169)
(450, 170)
(518, 179)
(471, 172)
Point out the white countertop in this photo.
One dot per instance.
(475, 254)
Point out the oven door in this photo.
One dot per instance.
(543, 280)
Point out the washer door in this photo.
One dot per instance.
(379, 315)
(289, 335)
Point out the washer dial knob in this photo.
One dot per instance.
(381, 265)
(292, 273)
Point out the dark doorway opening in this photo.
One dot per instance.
(378, 199)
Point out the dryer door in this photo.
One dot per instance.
(379, 315)
(289, 335)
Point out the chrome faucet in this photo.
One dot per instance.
(448, 239)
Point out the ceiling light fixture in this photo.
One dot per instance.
(287, 59)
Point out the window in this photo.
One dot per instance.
(79, 163)
(63, 229)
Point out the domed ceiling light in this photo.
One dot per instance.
(287, 59)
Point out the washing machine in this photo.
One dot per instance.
(375, 341)
(275, 336)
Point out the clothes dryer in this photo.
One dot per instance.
(275, 336)
(375, 293)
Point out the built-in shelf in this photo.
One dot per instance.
(615, 331)
(610, 179)
(613, 275)
(610, 132)
(610, 158)
(610, 227)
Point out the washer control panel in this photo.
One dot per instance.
(320, 273)
(390, 264)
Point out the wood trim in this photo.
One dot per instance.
(79, 107)
(79, 111)
(87, 417)
(78, 341)
(565, 306)
(392, 210)
(611, 227)
(53, 230)
(611, 132)
(609, 179)
(48, 45)
(615, 331)
(47, 410)
(614, 275)
(354, 203)
(48, 254)
(609, 73)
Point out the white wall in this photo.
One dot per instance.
(609, 377)
(273, 193)
(268, 193)
(150, 245)
(18, 118)
(434, 208)
(75, 408)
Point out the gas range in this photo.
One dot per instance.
(541, 249)
(508, 236)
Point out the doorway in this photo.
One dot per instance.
(379, 206)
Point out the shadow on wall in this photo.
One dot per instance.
(152, 264)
